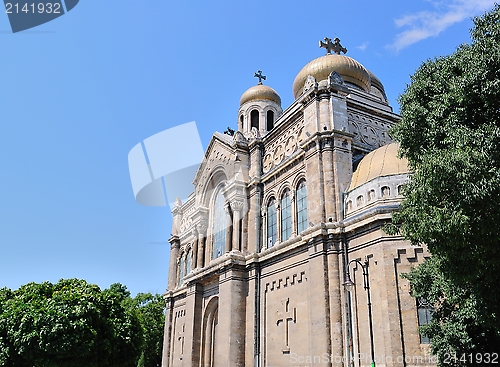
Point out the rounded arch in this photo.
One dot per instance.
(217, 179)
(297, 179)
(282, 189)
(268, 196)
(255, 119)
(209, 332)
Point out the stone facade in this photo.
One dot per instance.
(259, 251)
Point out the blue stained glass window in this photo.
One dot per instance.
(286, 216)
(181, 270)
(271, 223)
(301, 197)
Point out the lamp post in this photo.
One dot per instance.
(349, 285)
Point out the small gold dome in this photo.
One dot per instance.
(260, 92)
(383, 161)
(350, 70)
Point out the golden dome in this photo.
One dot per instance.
(376, 82)
(383, 161)
(350, 70)
(260, 92)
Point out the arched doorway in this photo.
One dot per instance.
(209, 343)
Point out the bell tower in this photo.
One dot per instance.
(260, 106)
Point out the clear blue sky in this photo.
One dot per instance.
(79, 92)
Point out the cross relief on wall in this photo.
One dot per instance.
(180, 338)
(286, 315)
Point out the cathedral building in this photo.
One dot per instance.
(278, 257)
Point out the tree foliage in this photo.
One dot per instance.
(450, 133)
(149, 310)
(68, 324)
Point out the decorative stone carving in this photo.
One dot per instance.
(202, 226)
(368, 130)
(255, 133)
(236, 205)
(285, 315)
(186, 223)
(240, 138)
(283, 146)
(335, 78)
(268, 163)
(310, 83)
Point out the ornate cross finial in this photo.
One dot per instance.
(334, 46)
(259, 75)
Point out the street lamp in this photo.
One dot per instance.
(349, 285)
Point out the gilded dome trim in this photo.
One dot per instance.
(260, 92)
(350, 70)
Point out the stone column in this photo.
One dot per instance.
(328, 169)
(324, 112)
(193, 325)
(232, 314)
(229, 224)
(195, 249)
(165, 360)
(202, 231)
(335, 278)
(175, 244)
(294, 212)
(253, 215)
(236, 207)
(318, 298)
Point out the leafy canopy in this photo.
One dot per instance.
(71, 324)
(450, 133)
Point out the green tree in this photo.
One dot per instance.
(67, 324)
(450, 133)
(150, 311)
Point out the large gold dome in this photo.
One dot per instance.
(383, 161)
(260, 92)
(350, 70)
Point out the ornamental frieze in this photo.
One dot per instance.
(368, 130)
(284, 146)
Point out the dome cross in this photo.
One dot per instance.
(259, 75)
(334, 46)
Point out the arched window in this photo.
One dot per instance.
(400, 190)
(254, 119)
(286, 216)
(219, 226)
(241, 122)
(181, 269)
(386, 191)
(271, 222)
(189, 260)
(301, 198)
(360, 200)
(270, 120)
(424, 315)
